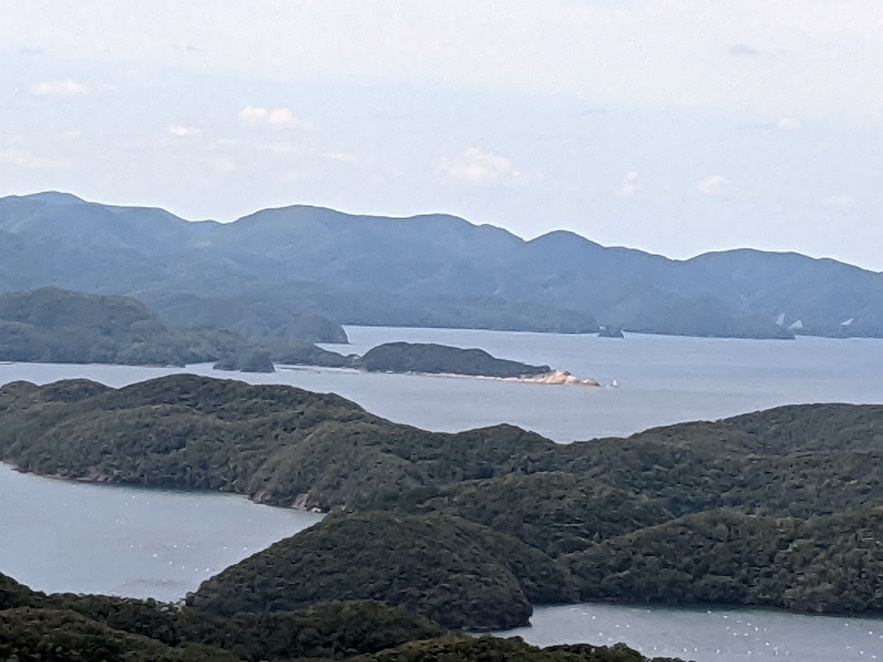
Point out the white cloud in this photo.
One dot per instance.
(842, 201)
(789, 124)
(225, 143)
(742, 50)
(482, 169)
(709, 54)
(280, 149)
(713, 184)
(283, 118)
(224, 165)
(339, 157)
(59, 88)
(253, 115)
(182, 131)
(296, 176)
(29, 161)
(629, 186)
(278, 118)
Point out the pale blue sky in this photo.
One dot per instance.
(676, 127)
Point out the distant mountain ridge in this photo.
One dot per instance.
(430, 270)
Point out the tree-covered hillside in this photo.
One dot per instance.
(459, 574)
(35, 627)
(775, 508)
(277, 444)
(436, 359)
(61, 326)
(824, 564)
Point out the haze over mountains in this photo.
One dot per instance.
(435, 270)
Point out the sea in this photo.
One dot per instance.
(64, 536)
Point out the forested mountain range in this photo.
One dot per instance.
(431, 270)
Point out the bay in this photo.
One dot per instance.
(63, 536)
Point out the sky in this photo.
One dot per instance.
(673, 126)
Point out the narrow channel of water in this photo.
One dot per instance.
(710, 635)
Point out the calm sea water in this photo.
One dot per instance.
(60, 536)
(88, 538)
(661, 380)
(710, 635)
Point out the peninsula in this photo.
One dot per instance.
(54, 325)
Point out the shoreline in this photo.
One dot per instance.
(298, 505)
(554, 378)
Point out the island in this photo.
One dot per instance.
(435, 359)
(432, 358)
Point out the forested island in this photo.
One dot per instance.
(780, 508)
(440, 359)
(434, 359)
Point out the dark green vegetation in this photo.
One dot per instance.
(34, 626)
(60, 326)
(38, 627)
(435, 359)
(555, 511)
(492, 649)
(776, 508)
(277, 444)
(432, 270)
(460, 574)
(826, 564)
